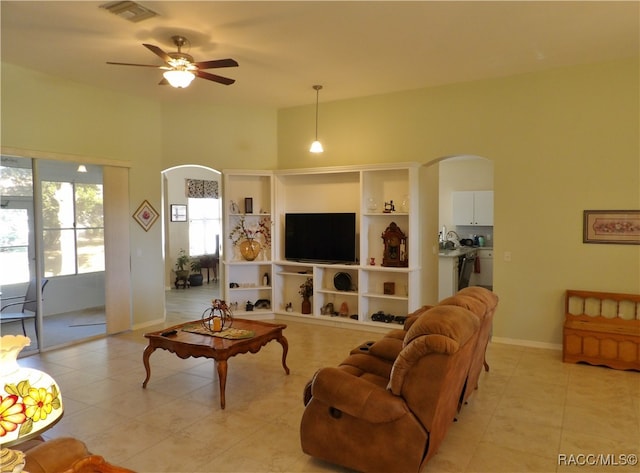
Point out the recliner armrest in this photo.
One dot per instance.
(356, 397)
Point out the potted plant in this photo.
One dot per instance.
(306, 291)
(182, 263)
(195, 278)
(246, 237)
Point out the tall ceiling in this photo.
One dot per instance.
(353, 49)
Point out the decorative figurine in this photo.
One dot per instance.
(372, 261)
(217, 317)
(395, 247)
(344, 310)
(389, 207)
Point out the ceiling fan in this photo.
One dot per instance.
(180, 68)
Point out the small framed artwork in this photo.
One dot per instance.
(178, 213)
(248, 205)
(612, 226)
(145, 215)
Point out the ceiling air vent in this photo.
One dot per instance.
(131, 11)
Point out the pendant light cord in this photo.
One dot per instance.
(317, 87)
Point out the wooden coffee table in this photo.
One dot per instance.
(187, 344)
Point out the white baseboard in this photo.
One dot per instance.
(527, 343)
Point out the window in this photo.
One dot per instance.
(16, 186)
(73, 228)
(204, 225)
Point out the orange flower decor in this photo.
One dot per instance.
(11, 414)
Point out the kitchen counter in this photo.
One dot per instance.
(462, 250)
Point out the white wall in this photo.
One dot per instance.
(177, 234)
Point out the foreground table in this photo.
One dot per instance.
(187, 344)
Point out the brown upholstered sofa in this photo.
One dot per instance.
(63, 455)
(389, 404)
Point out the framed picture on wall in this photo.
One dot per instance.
(178, 213)
(612, 226)
(145, 215)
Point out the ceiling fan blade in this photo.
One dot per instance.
(216, 63)
(163, 82)
(129, 64)
(159, 52)
(213, 77)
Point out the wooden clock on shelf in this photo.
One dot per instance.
(395, 247)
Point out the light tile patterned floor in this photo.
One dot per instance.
(530, 407)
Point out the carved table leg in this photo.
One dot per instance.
(222, 378)
(285, 349)
(145, 359)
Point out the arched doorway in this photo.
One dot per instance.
(192, 201)
(455, 176)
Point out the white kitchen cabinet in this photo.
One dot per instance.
(472, 208)
(485, 276)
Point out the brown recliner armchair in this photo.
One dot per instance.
(482, 303)
(380, 412)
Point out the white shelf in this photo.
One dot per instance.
(385, 296)
(332, 189)
(336, 292)
(384, 214)
(238, 185)
(290, 273)
(242, 262)
(248, 288)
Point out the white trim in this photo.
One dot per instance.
(527, 343)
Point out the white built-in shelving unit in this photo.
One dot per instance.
(363, 190)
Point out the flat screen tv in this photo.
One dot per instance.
(320, 237)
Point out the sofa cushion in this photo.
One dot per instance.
(449, 321)
(360, 364)
(387, 348)
(485, 295)
(475, 305)
(441, 330)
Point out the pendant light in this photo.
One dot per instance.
(316, 146)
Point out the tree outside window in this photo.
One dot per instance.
(73, 228)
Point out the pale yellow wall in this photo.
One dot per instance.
(219, 137)
(561, 141)
(52, 115)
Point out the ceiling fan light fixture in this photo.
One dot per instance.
(316, 146)
(179, 79)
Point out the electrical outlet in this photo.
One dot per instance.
(507, 256)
